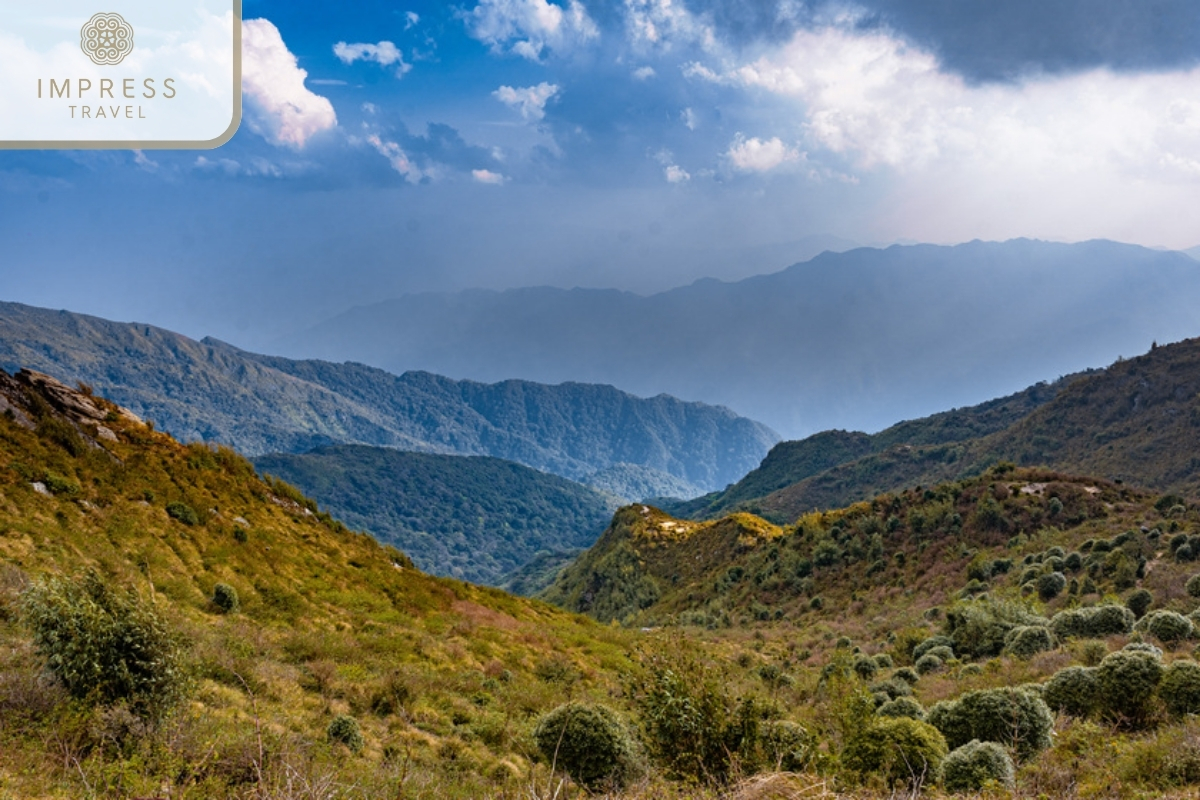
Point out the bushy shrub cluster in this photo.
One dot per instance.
(1095, 622)
(1072, 691)
(183, 512)
(1193, 585)
(976, 764)
(1166, 626)
(1180, 688)
(1029, 640)
(978, 628)
(929, 644)
(106, 645)
(1050, 585)
(1139, 602)
(900, 749)
(344, 729)
(1125, 682)
(589, 743)
(1015, 718)
(902, 707)
(225, 598)
(928, 663)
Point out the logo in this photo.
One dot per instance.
(106, 39)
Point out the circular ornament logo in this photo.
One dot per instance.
(106, 38)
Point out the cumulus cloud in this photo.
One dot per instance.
(757, 155)
(527, 27)
(676, 174)
(411, 18)
(396, 156)
(1094, 153)
(662, 24)
(384, 54)
(487, 176)
(644, 73)
(280, 107)
(530, 100)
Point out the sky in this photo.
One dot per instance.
(396, 147)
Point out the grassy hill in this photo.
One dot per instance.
(445, 678)
(470, 517)
(212, 392)
(822, 454)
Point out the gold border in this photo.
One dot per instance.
(158, 144)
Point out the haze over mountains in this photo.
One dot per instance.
(214, 392)
(856, 340)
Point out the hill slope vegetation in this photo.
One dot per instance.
(470, 517)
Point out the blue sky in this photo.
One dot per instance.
(640, 144)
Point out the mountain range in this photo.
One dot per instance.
(213, 392)
(854, 340)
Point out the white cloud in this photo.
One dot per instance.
(279, 106)
(384, 54)
(661, 24)
(1093, 154)
(396, 156)
(530, 100)
(676, 174)
(644, 73)
(487, 176)
(689, 118)
(411, 18)
(757, 155)
(527, 27)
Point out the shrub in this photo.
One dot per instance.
(930, 643)
(883, 661)
(893, 688)
(899, 749)
(1126, 681)
(1093, 652)
(225, 598)
(942, 652)
(906, 674)
(1072, 691)
(971, 767)
(902, 707)
(1166, 626)
(928, 663)
(1050, 585)
(106, 645)
(1012, 717)
(183, 512)
(865, 667)
(1029, 640)
(58, 484)
(1092, 623)
(789, 747)
(344, 729)
(1073, 562)
(978, 627)
(1180, 688)
(589, 743)
(1139, 602)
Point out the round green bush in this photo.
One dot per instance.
(941, 651)
(1193, 585)
(930, 643)
(1139, 602)
(1011, 717)
(928, 663)
(1180, 688)
(902, 707)
(1050, 585)
(906, 674)
(1096, 622)
(589, 743)
(344, 729)
(900, 749)
(892, 687)
(1166, 626)
(183, 512)
(883, 661)
(1029, 640)
(1030, 574)
(865, 667)
(1072, 691)
(789, 746)
(974, 765)
(1143, 647)
(970, 669)
(1126, 681)
(106, 645)
(1073, 562)
(225, 598)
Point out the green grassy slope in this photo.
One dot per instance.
(469, 517)
(445, 678)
